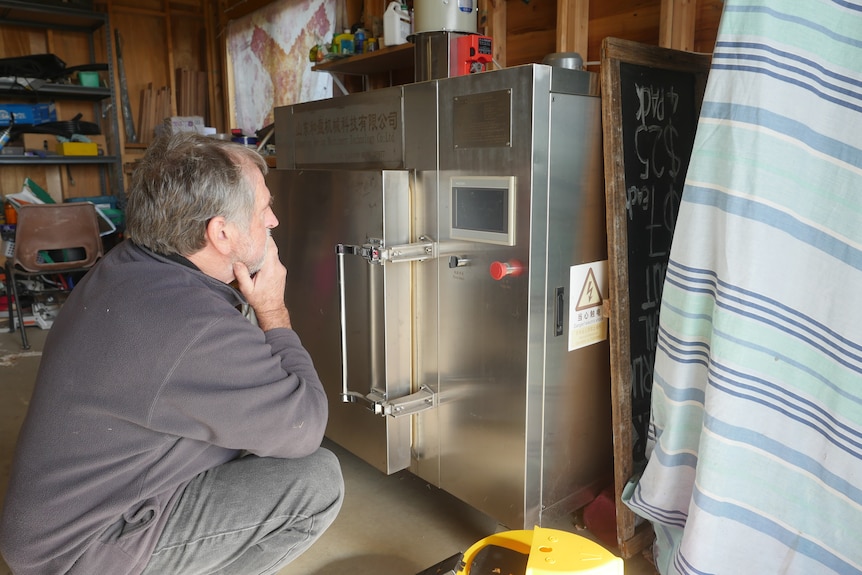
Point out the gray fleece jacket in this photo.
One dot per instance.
(150, 375)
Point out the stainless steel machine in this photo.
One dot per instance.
(446, 248)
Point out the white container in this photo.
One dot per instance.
(396, 25)
(445, 15)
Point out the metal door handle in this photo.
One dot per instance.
(417, 401)
(347, 396)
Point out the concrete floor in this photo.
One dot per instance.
(389, 525)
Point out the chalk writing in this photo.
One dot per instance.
(659, 119)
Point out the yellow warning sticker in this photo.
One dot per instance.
(589, 284)
(591, 294)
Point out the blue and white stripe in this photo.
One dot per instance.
(755, 453)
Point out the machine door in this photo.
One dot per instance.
(318, 210)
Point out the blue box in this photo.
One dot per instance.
(31, 114)
(22, 113)
(43, 113)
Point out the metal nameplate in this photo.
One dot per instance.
(353, 130)
(483, 120)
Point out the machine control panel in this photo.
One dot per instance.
(482, 209)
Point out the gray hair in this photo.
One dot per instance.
(183, 181)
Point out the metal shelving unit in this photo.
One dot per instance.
(29, 14)
(54, 160)
(62, 91)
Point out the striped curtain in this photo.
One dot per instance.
(755, 452)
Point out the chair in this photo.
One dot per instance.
(46, 233)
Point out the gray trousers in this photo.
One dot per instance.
(250, 516)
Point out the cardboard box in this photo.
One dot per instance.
(39, 143)
(187, 124)
(48, 144)
(78, 149)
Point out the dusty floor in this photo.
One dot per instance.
(389, 525)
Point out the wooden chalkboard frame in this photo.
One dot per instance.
(632, 539)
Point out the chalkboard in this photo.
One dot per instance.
(651, 99)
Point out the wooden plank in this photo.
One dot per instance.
(383, 60)
(642, 537)
(162, 104)
(152, 5)
(531, 32)
(666, 23)
(638, 83)
(19, 41)
(213, 65)
(187, 38)
(234, 9)
(172, 108)
(201, 94)
(526, 17)
(189, 96)
(178, 82)
(72, 47)
(185, 5)
(150, 113)
(143, 37)
(493, 25)
(141, 107)
(640, 24)
(169, 107)
(706, 24)
(229, 95)
(182, 91)
(146, 94)
(529, 47)
(573, 24)
(677, 28)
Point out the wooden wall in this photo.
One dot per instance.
(161, 36)
(173, 64)
(525, 32)
(166, 34)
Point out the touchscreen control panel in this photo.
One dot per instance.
(483, 209)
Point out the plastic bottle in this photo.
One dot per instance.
(406, 21)
(10, 214)
(396, 24)
(5, 135)
(359, 41)
(345, 42)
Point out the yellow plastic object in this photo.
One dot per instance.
(78, 149)
(551, 551)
